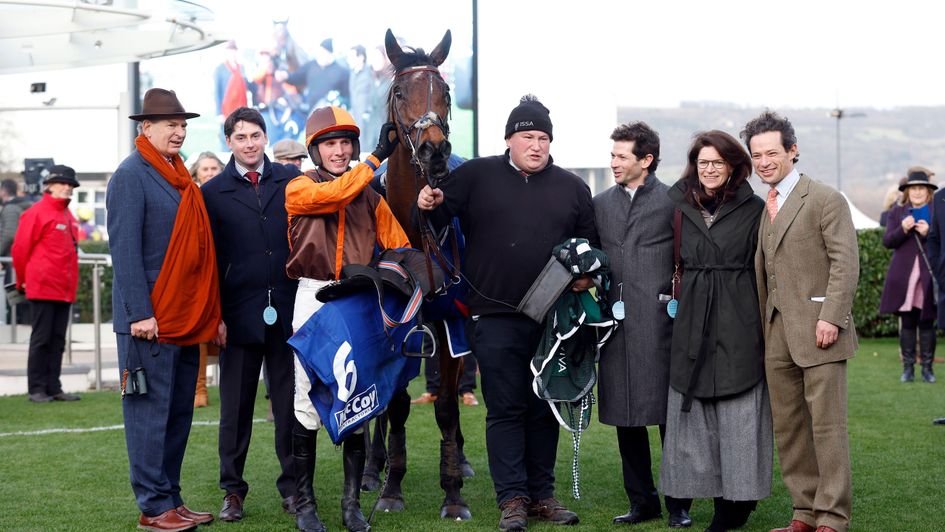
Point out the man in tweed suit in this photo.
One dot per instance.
(635, 222)
(807, 266)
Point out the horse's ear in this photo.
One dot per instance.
(394, 51)
(442, 50)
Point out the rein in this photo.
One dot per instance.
(430, 118)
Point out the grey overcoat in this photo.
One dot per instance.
(634, 365)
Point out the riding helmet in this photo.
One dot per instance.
(330, 123)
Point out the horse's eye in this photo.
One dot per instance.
(398, 94)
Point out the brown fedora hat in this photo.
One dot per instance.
(161, 102)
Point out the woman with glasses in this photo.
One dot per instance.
(908, 290)
(719, 441)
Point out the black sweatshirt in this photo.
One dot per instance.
(511, 223)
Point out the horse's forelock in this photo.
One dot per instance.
(410, 58)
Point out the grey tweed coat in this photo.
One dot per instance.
(634, 365)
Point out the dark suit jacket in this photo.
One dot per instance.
(251, 237)
(142, 208)
(934, 249)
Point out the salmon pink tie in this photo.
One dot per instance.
(772, 204)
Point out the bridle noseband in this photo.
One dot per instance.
(428, 119)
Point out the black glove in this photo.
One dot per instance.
(386, 145)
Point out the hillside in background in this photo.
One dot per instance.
(876, 149)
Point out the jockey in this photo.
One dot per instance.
(335, 219)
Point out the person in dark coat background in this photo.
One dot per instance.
(246, 206)
(634, 219)
(719, 434)
(908, 289)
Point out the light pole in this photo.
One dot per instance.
(839, 114)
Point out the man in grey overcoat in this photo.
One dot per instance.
(635, 222)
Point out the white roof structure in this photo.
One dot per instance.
(860, 220)
(46, 35)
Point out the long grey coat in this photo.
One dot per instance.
(634, 364)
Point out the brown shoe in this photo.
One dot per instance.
(552, 511)
(169, 521)
(232, 508)
(201, 518)
(514, 514)
(795, 526)
(469, 399)
(425, 397)
(200, 400)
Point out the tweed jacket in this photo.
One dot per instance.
(807, 267)
(634, 365)
(142, 208)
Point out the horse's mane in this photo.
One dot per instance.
(410, 58)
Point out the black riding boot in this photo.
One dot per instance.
(353, 458)
(303, 458)
(927, 353)
(907, 346)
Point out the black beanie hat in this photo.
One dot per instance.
(530, 115)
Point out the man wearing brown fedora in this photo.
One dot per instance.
(166, 301)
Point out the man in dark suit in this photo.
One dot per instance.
(246, 205)
(806, 267)
(165, 302)
(635, 222)
(934, 246)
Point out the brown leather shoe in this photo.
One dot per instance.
(552, 511)
(169, 521)
(425, 398)
(795, 526)
(232, 508)
(469, 399)
(514, 514)
(825, 529)
(201, 518)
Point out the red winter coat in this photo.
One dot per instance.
(44, 251)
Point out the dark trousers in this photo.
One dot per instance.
(47, 342)
(157, 424)
(239, 380)
(467, 380)
(634, 444)
(521, 431)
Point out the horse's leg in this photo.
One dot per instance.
(377, 454)
(446, 407)
(464, 464)
(391, 498)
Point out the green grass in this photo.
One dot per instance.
(79, 481)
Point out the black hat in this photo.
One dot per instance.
(61, 174)
(917, 178)
(530, 115)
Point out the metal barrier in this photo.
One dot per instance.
(97, 261)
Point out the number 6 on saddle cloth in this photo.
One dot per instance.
(352, 348)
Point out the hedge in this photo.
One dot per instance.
(874, 260)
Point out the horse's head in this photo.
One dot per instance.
(419, 103)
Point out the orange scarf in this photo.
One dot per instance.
(186, 297)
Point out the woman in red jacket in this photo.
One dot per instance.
(46, 261)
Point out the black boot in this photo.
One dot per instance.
(730, 514)
(907, 347)
(720, 516)
(927, 353)
(303, 459)
(353, 459)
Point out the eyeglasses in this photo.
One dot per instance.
(703, 164)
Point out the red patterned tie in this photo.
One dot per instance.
(772, 204)
(253, 178)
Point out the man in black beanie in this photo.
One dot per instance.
(514, 208)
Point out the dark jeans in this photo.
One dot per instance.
(47, 342)
(634, 444)
(467, 380)
(521, 431)
(239, 380)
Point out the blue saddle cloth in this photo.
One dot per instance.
(353, 364)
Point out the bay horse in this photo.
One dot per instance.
(418, 103)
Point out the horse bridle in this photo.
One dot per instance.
(428, 119)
